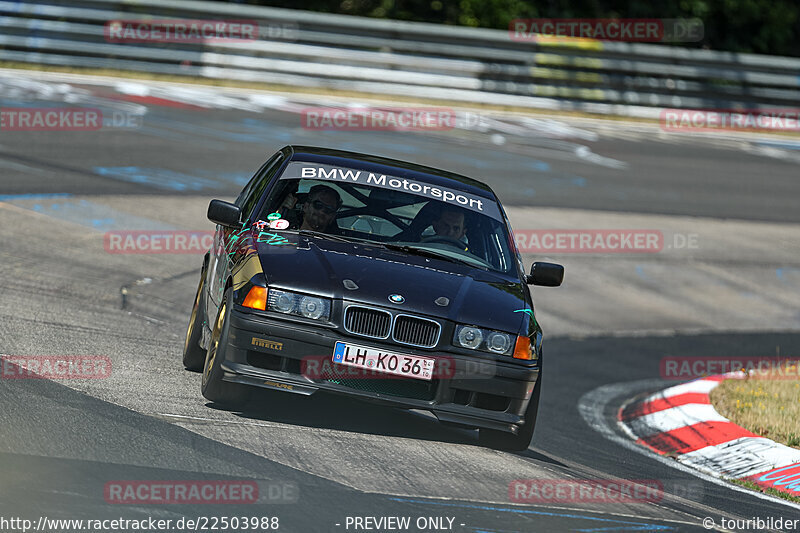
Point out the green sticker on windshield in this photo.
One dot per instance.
(273, 216)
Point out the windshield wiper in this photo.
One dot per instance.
(429, 253)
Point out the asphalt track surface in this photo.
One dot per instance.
(320, 459)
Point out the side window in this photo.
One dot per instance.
(255, 189)
(242, 195)
(249, 187)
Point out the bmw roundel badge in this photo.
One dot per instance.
(396, 298)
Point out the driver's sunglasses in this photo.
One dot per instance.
(321, 206)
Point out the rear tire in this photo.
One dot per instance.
(226, 394)
(193, 354)
(502, 440)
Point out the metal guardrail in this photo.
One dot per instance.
(301, 48)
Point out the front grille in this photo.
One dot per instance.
(368, 322)
(416, 331)
(378, 324)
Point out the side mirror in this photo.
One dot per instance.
(224, 213)
(545, 275)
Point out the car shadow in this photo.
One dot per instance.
(332, 411)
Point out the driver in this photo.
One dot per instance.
(450, 223)
(319, 210)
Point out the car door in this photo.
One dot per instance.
(248, 201)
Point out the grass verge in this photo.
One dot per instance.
(766, 406)
(766, 490)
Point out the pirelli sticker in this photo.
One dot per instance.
(471, 202)
(266, 343)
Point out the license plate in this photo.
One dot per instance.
(409, 366)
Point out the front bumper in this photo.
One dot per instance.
(476, 391)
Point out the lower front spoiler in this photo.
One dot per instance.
(268, 352)
(450, 412)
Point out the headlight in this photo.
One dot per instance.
(469, 337)
(283, 302)
(473, 338)
(311, 307)
(498, 342)
(291, 303)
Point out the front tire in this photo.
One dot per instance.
(231, 395)
(193, 354)
(502, 440)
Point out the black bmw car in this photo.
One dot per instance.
(376, 278)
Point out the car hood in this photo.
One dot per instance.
(319, 266)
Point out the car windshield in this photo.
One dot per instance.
(409, 215)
